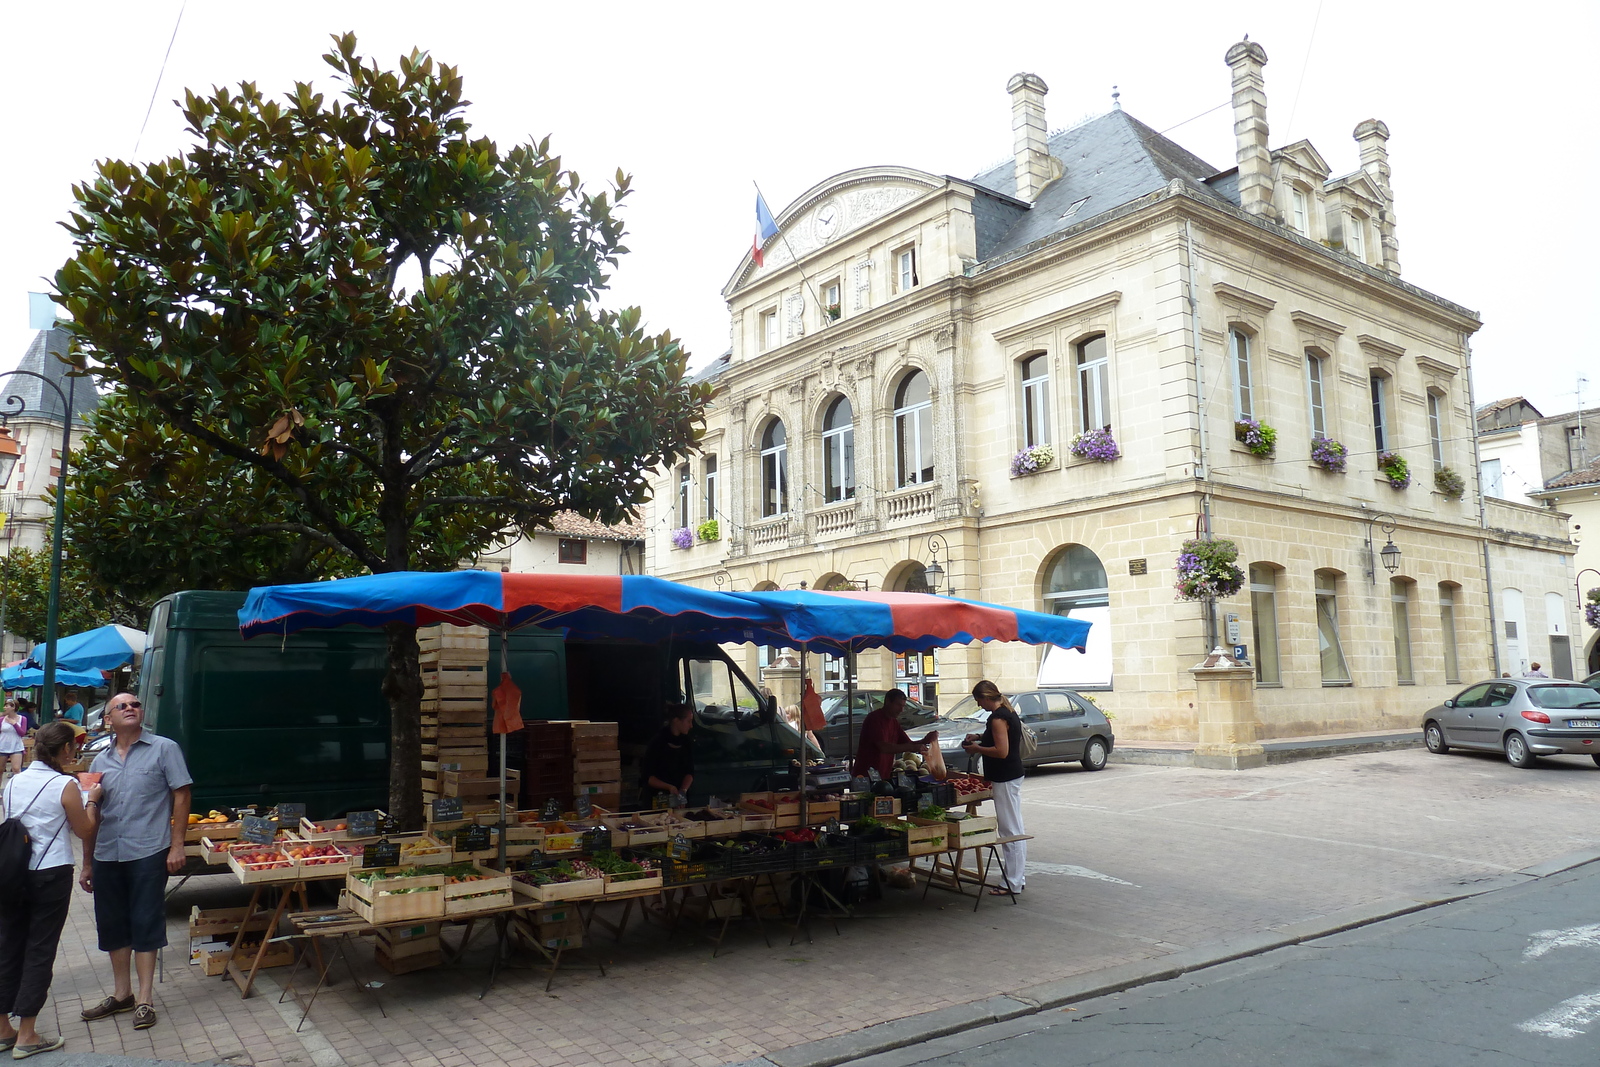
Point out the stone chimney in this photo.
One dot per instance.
(1030, 136)
(1250, 128)
(1372, 137)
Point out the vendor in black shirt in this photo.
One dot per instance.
(1000, 745)
(668, 764)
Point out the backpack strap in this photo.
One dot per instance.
(45, 851)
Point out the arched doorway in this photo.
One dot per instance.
(1075, 585)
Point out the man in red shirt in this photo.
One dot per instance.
(882, 737)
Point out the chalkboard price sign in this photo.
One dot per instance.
(387, 825)
(383, 853)
(363, 824)
(552, 810)
(472, 839)
(680, 848)
(291, 814)
(446, 808)
(585, 806)
(257, 829)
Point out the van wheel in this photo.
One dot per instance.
(1433, 737)
(1517, 752)
(1094, 754)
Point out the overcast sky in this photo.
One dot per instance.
(1493, 113)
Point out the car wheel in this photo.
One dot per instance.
(1517, 752)
(1433, 737)
(1094, 754)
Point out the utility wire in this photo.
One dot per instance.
(156, 88)
(1202, 115)
(1295, 107)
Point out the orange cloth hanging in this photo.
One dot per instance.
(507, 702)
(811, 708)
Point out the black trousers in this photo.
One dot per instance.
(30, 931)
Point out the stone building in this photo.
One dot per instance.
(571, 545)
(28, 511)
(914, 345)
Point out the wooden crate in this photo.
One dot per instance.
(216, 831)
(462, 897)
(924, 837)
(215, 961)
(974, 831)
(407, 964)
(601, 770)
(758, 821)
(435, 658)
(282, 869)
(220, 921)
(559, 837)
(631, 883)
(413, 946)
(581, 889)
(820, 811)
(380, 903)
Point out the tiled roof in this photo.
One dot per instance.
(571, 524)
(1589, 475)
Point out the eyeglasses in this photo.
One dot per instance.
(128, 704)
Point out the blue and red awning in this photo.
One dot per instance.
(642, 608)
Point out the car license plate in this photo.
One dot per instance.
(1583, 724)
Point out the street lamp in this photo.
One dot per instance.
(1390, 553)
(933, 572)
(9, 452)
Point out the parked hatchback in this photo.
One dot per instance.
(843, 727)
(1523, 717)
(1066, 725)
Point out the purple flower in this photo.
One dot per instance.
(1097, 445)
(1207, 569)
(1393, 466)
(1258, 437)
(682, 537)
(1591, 610)
(1329, 454)
(1032, 460)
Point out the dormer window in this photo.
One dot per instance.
(1358, 236)
(1300, 211)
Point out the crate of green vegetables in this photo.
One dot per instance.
(384, 895)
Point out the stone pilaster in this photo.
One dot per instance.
(1225, 703)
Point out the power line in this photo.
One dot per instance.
(156, 88)
(1293, 108)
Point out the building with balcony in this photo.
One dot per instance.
(1047, 377)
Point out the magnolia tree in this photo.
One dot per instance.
(248, 306)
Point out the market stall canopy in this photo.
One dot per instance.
(21, 676)
(103, 649)
(642, 608)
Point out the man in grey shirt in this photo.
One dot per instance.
(139, 842)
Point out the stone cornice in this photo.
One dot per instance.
(1306, 320)
(1379, 347)
(1235, 295)
(1082, 309)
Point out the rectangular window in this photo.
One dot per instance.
(1400, 601)
(1334, 669)
(832, 308)
(683, 495)
(1577, 448)
(1358, 237)
(1036, 400)
(572, 550)
(905, 269)
(1489, 472)
(1314, 379)
(1094, 385)
(769, 329)
(1239, 358)
(1447, 629)
(1380, 414)
(1302, 213)
(1264, 619)
(1435, 430)
(708, 476)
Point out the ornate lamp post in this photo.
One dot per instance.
(9, 454)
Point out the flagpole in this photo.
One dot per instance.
(792, 256)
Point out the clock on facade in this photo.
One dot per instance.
(827, 220)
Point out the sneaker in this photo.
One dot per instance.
(108, 1006)
(22, 1052)
(144, 1017)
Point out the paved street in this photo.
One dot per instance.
(1134, 863)
(1509, 977)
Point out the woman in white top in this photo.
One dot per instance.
(13, 728)
(47, 801)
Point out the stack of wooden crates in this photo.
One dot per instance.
(403, 949)
(565, 759)
(456, 761)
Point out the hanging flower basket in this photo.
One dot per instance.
(1097, 445)
(682, 537)
(1032, 460)
(1449, 483)
(1208, 569)
(1591, 610)
(1329, 454)
(1259, 438)
(709, 530)
(1394, 467)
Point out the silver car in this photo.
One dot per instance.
(1067, 726)
(1523, 717)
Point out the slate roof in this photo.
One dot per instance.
(713, 369)
(39, 400)
(1107, 162)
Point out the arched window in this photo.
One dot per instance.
(1094, 385)
(774, 470)
(1036, 400)
(1075, 585)
(913, 579)
(839, 452)
(913, 430)
(1316, 383)
(1243, 380)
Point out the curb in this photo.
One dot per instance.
(1274, 751)
(1029, 1000)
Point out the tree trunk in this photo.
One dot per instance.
(402, 686)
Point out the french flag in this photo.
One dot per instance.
(766, 229)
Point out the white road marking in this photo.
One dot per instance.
(1075, 871)
(1574, 937)
(1565, 1019)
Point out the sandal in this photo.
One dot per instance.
(1002, 891)
(22, 1052)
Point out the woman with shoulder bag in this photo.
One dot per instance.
(1000, 745)
(46, 800)
(13, 728)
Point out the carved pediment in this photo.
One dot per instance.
(1305, 157)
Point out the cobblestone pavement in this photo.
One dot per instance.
(1128, 864)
